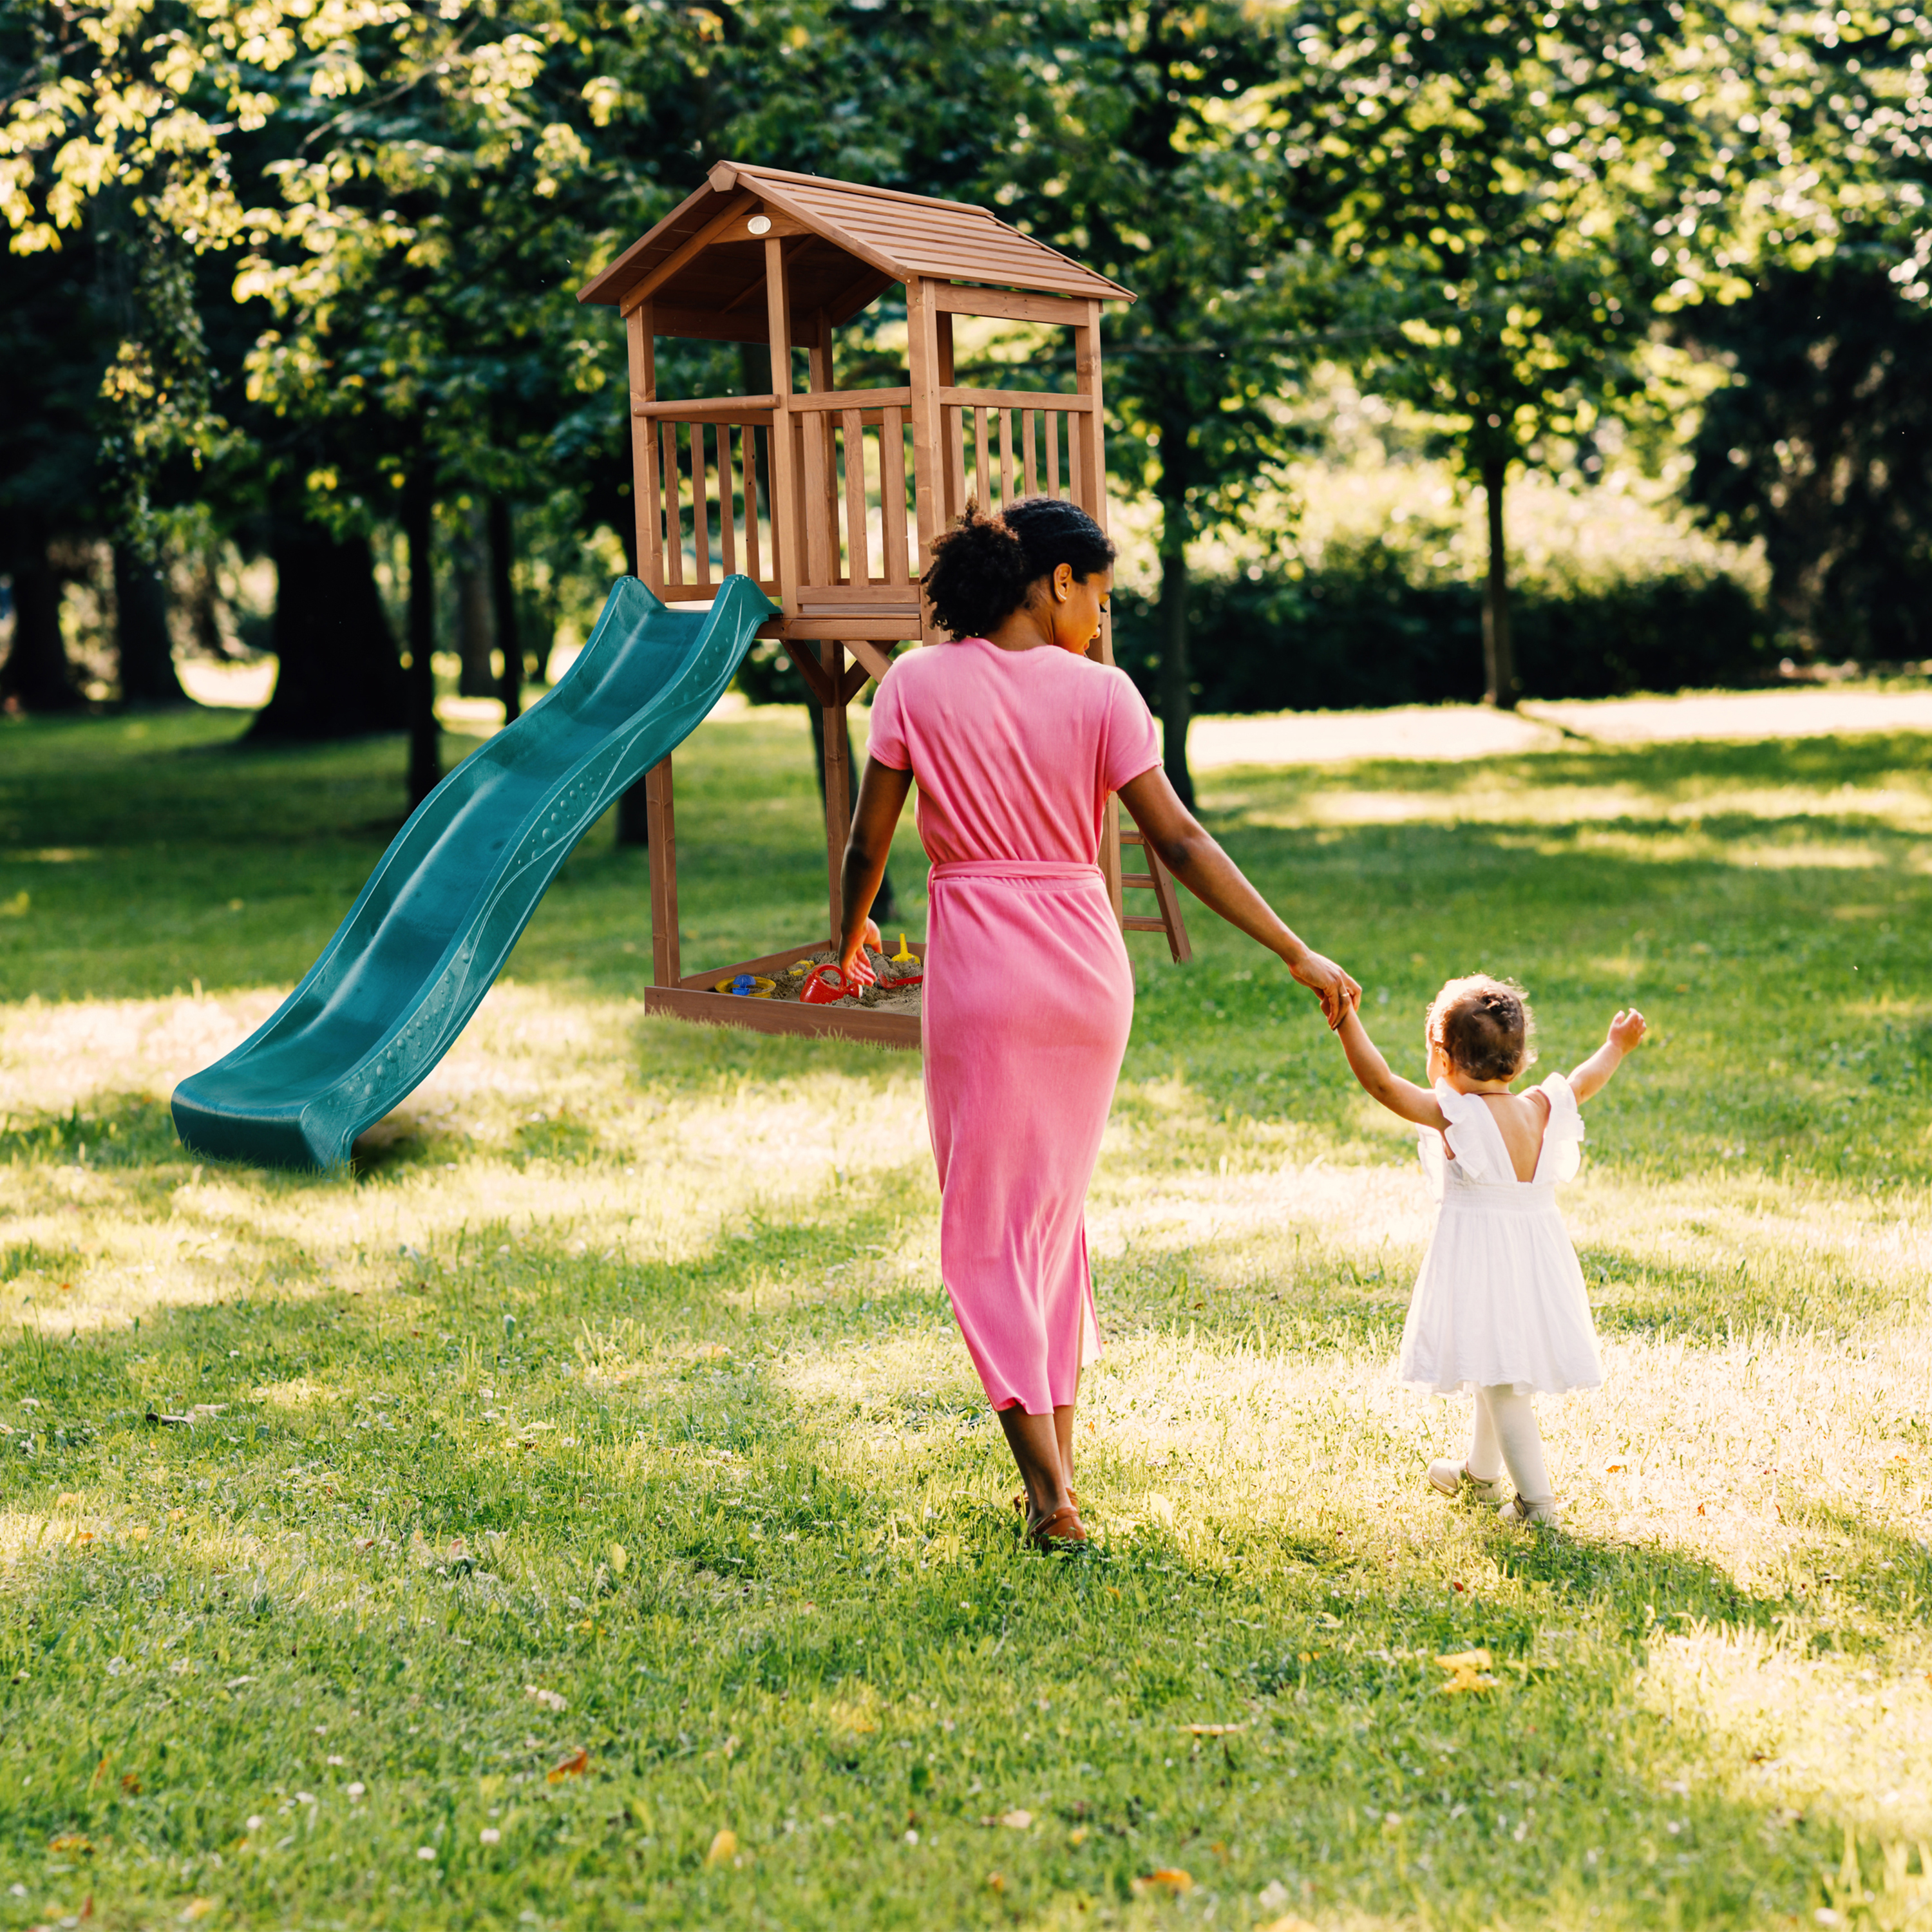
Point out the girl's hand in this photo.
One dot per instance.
(1337, 991)
(855, 967)
(1627, 1029)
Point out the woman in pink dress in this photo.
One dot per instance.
(1016, 737)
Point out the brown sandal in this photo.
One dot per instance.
(1063, 1529)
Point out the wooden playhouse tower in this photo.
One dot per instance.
(828, 498)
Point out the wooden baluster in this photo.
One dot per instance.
(674, 494)
(751, 569)
(955, 438)
(1052, 419)
(1006, 458)
(1073, 463)
(700, 507)
(982, 462)
(858, 554)
(728, 501)
(1028, 424)
(892, 494)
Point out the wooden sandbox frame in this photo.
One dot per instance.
(758, 255)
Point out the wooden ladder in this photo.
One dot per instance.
(1157, 879)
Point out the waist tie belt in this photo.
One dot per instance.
(1044, 869)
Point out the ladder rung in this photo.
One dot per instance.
(1144, 880)
(1145, 924)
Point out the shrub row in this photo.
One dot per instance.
(1360, 631)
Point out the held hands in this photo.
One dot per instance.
(853, 962)
(1336, 989)
(1627, 1029)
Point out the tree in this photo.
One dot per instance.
(1513, 194)
(1142, 152)
(1821, 446)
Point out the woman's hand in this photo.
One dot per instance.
(1335, 988)
(853, 962)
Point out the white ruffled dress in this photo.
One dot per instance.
(1500, 1297)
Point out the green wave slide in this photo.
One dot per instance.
(432, 928)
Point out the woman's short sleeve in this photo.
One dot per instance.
(886, 741)
(1133, 747)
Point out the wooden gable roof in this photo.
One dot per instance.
(704, 269)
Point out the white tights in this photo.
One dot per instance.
(1506, 1436)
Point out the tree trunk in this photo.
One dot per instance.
(885, 902)
(503, 597)
(338, 674)
(474, 633)
(1498, 653)
(37, 675)
(141, 630)
(425, 747)
(1177, 675)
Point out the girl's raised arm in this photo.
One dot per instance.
(1594, 1075)
(1402, 1098)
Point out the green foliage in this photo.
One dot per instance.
(1820, 445)
(1362, 630)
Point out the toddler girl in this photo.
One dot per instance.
(1499, 1307)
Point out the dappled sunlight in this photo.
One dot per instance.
(1779, 1724)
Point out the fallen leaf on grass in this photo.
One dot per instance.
(67, 1499)
(995, 1882)
(131, 1784)
(551, 1700)
(71, 1841)
(1213, 1730)
(1078, 1837)
(1469, 1670)
(196, 1908)
(619, 1558)
(571, 1767)
(1290, 1923)
(1017, 1821)
(724, 1848)
(1169, 1878)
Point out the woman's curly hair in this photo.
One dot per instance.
(984, 568)
(1484, 1027)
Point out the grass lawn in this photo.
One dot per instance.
(585, 1514)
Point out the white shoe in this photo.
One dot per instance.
(1516, 1510)
(1451, 1479)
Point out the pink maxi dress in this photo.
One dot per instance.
(1028, 993)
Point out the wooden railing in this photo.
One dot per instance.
(1004, 444)
(859, 510)
(854, 548)
(707, 472)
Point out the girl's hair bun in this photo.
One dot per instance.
(984, 568)
(1484, 1027)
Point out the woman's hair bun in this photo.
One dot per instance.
(983, 569)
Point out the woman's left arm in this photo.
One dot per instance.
(1186, 848)
(882, 797)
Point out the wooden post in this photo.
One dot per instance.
(787, 563)
(645, 485)
(665, 966)
(838, 782)
(927, 438)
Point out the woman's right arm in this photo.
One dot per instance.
(1186, 848)
(882, 797)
